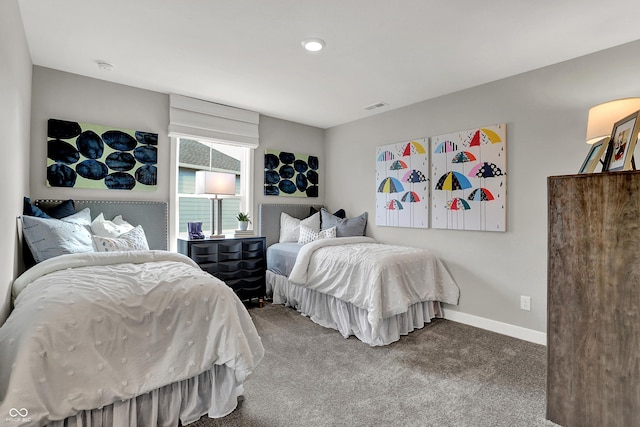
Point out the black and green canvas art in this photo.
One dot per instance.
(290, 174)
(81, 155)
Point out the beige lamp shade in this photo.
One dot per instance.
(215, 183)
(603, 116)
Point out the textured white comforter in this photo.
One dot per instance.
(90, 329)
(382, 279)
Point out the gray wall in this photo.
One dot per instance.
(15, 107)
(546, 115)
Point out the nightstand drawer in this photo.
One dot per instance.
(227, 276)
(253, 254)
(230, 266)
(251, 284)
(200, 249)
(253, 264)
(211, 268)
(204, 258)
(229, 247)
(252, 273)
(229, 256)
(252, 246)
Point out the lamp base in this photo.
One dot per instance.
(217, 236)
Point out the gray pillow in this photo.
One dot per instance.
(346, 227)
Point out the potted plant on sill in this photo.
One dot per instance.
(243, 220)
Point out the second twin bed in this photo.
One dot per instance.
(353, 283)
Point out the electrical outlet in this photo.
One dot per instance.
(525, 303)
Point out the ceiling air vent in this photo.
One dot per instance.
(376, 105)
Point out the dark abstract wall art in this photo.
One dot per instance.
(81, 155)
(290, 174)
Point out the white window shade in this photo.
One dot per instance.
(208, 121)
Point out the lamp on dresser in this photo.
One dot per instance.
(216, 184)
(602, 117)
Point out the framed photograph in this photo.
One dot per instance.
(595, 155)
(623, 141)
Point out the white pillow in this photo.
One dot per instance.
(290, 226)
(105, 228)
(82, 218)
(133, 240)
(118, 220)
(49, 237)
(308, 235)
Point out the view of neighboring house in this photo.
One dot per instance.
(194, 156)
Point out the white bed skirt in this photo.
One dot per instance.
(346, 318)
(214, 392)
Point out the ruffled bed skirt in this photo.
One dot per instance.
(214, 392)
(346, 318)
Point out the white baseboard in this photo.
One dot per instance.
(498, 327)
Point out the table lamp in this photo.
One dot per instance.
(216, 184)
(603, 116)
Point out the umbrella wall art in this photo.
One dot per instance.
(469, 179)
(290, 174)
(82, 155)
(402, 184)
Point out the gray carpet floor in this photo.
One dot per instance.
(446, 374)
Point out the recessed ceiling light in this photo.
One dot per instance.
(313, 45)
(379, 104)
(104, 65)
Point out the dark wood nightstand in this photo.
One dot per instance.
(239, 262)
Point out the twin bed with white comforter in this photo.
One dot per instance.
(354, 284)
(123, 338)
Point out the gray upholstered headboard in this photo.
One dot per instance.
(152, 216)
(269, 216)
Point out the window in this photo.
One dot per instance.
(196, 155)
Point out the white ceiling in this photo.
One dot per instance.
(247, 53)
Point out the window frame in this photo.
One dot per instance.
(245, 195)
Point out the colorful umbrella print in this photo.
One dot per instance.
(485, 170)
(481, 195)
(390, 185)
(414, 176)
(398, 164)
(393, 205)
(486, 135)
(411, 197)
(446, 147)
(453, 181)
(463, 157)
(385, 155)
(412, 148)
(458, 204)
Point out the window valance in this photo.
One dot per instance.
(208, 121)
